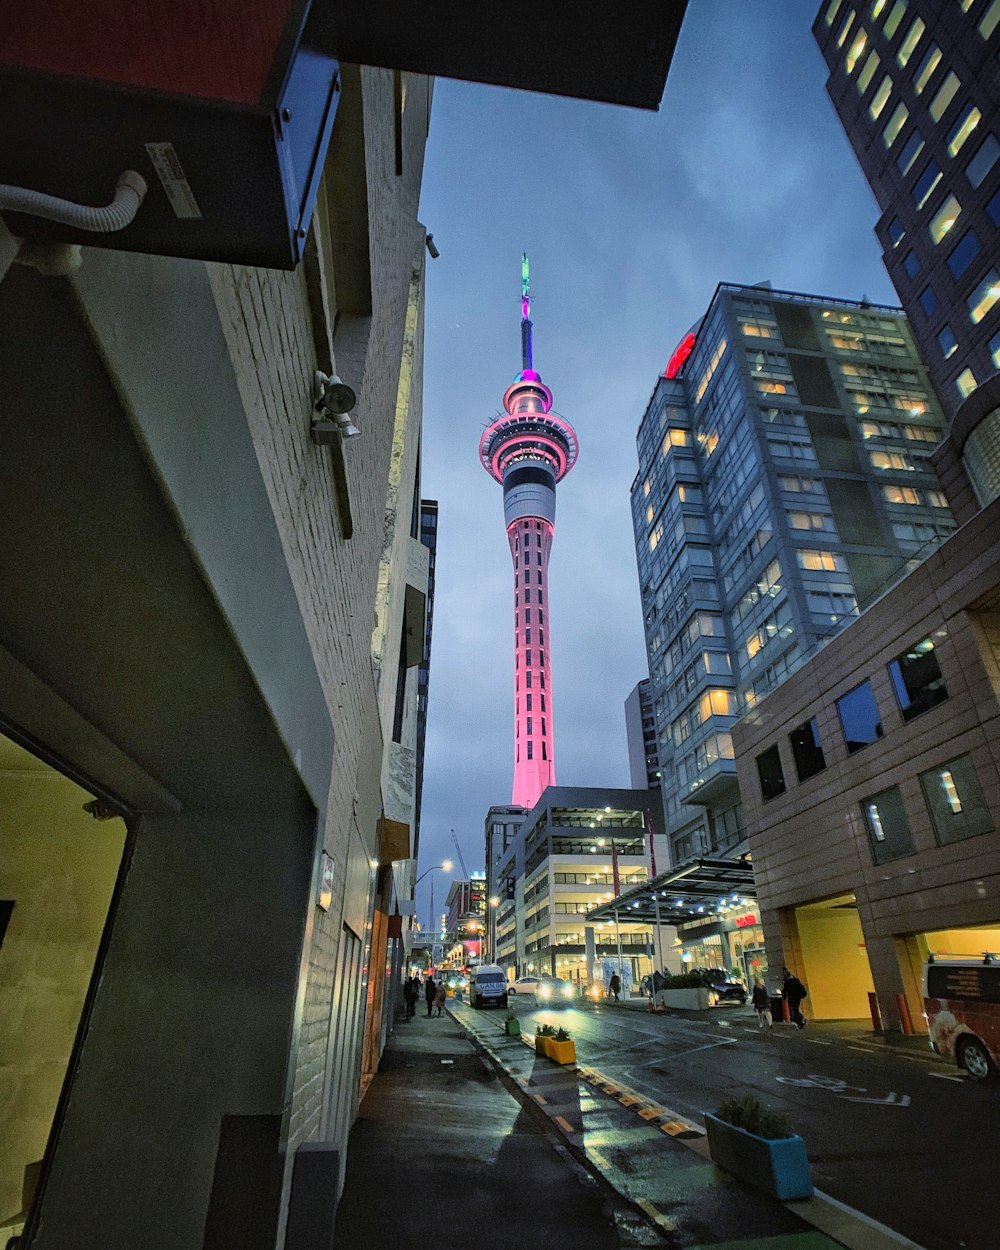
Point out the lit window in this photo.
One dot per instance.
(647, 486)
(955, 800)
(926, 68)
(881, 98)
(937, 499)
(984, 296)
(901, 494)
(856, 50)
(966, 124)
(895, 124)
(966, 383)
(868, 72)
(946, 93)
(827, 561)
(888, 829)
(894, 18)
(925, 184)
(928, 301)
(674, 438)
(994, 350)
(983, 161)
(807, 520)
(831, 11)
(944, 219)
(914, 146)
(910, 41)
(950, 791)
(947, 342)
(845, 28)
(990, 20)
(878, 6)
(890, 460)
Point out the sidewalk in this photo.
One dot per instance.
(496, 1147)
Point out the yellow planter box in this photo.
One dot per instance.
(542, 1044)
(562, 1052)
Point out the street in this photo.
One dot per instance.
(911, 1144)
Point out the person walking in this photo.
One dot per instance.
(430, 993)
(762, 1004)
(793, 992)
(411, 988)
(440, 996)
(615, 986)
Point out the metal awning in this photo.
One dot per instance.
(696, 890)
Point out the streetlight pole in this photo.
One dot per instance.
(494, 904)
(446, 865)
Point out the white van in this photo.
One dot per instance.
(488, 986)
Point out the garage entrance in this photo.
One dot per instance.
(914, 949)
(835, 959)
(58, 869)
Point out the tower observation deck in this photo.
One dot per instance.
(528, 450)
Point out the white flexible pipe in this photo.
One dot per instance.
(130, 190)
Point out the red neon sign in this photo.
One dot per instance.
(681, 353)
(744, 922)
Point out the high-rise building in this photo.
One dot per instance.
(916, 85)
(428, 536)
(784, 480)
(528, 450)
(640, 734)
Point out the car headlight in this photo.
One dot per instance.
(545, 992)
(567, 991)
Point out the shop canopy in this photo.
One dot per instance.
(695, 890)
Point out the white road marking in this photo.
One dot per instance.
(946, 1076)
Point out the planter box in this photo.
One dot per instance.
(779, 1166)
(542, 1044)
(694, 999)
(562, 1052)
(512, 1028)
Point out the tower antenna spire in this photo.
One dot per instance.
(526, 344)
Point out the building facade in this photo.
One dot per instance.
(428, 536)
(916, 87)
(871, 780)
(784, 479)
(529, 450)
(576, 848)
(640, 736)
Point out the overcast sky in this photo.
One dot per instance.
(630, 220)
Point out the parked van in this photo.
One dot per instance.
(962, 1008)
(488, 986)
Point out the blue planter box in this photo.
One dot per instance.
(779, 1166)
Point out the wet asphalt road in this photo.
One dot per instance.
(911, 1144)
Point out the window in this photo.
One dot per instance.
(529, 749)
(827, 561)
(810, 521)
(831, 11)
(888, 829)
(925, 184)
(845, 28)
(881, 98)
(963, 253)
(867, 72)
(901, 494)
(914, 146)
(926, 68)
(993, 209)
(947, 342)
(529, 724)
(896, 233)
(955, 801)
(856, 50)
(807, 751)
(859, 718)
(945, 94)
(983, 161)
(910, 41)
(968, 120)
(772, 779)
(944, 219)
(966, 383)
(890, 460)
(895, 124)
(990, 20)
(894, 18)
(928, 301)
(994, 349)
(911, 265)
(917, 680)
(674, 438)
(984, 296)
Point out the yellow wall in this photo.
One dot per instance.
(837, 973)
(960, 941)
(59, 866)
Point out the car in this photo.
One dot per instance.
(523, 985)
(554, 992)
(729, 989)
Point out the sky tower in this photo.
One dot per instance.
(528, 450)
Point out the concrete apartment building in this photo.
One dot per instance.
(871, 781)
(641, 739)
(784, 479)
(916, 88)
(558, 866)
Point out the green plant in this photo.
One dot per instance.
(545, 1030)
(562, 1036)
(682, 981)
(747, 1113)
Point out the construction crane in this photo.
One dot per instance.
(461, 857)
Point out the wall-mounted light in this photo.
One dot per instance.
(333, 400)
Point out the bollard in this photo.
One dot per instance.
(873, 1007)
(905, 1023)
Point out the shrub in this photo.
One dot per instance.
(747, 1113)
(562, 1035)
(545, 1030)
(683, 981)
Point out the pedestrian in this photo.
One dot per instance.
(645, 989)
(793, 992)
(615, 986)
(430, 993)
(440, 996)
(411, 988)
(762, 1004)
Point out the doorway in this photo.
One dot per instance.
(835, 956)
(59, 865)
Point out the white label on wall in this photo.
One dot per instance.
(173, 180)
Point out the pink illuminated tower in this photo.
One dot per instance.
(528, 450)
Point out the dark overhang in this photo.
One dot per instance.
(587, 49)
(697, 890)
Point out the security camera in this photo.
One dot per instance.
(432, 247)
(331, 395)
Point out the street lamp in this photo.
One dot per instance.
(494, 904)
(446, 865)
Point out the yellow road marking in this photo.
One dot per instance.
(667, 1224)
(565, 1125)
(673, 1127)
(650, 1113)
(540, 1099)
